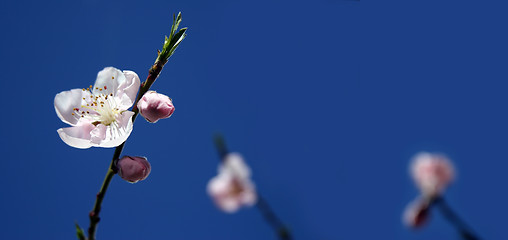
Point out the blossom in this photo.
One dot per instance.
(416, 213)
(154, 106)
(133, 169)
(432, 173)
(232, 187)
(98, 115)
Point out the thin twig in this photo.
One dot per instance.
(272, 219)
(464, 230)
(94, 214)
(170, 45)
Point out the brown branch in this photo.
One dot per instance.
(153, 74)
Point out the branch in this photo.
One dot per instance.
(454, 219)
(162, 58)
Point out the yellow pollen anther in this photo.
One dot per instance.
(83, 89)
(100, 89)
(102, 105)
(112, 77)
(73, 114)
(91, 86)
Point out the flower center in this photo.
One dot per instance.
(100, 108)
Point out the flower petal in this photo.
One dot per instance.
(228, 204)
(249, 195)
(128, 89)
(108, 81)
(235, 165)
(98, 134)
(66, 101)
(78, 136)
(219, 189)
(118, 132)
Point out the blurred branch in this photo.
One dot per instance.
(454, 219)
(272, 219)
(262, 205)
(168, 49)
(220, 144)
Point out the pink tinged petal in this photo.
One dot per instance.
(234, 164)
(98, 134)
(123, 101)
(108, 81)
(128, 89)
(78, 136)
(65, 103)
(432, 173)
(229, 205)
(249, 195)
(219, 189)
(118, 132)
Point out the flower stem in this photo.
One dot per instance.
(454, 219)
(169, 47)
(94, 214)
(272, 219)
(262, 205)
(153, 74)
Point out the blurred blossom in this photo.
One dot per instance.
(154, 106)
(98, 115)
(232, 187)
(133, 169)
(416, 213)
(432, 173)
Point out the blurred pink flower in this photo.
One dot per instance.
(416, 213)
(98, 115)
(232, 187)
(432, 173)
(133, 169)
(154, 106)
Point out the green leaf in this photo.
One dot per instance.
(178, 38)
(79, 232)
(176, 23)
(175, 38)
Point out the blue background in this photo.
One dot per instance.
(327, 100)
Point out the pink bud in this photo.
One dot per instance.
(432, 173)
(416, 213)
(133, 169)
(154, 106)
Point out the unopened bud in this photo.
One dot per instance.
(133, 169)
(154, 106)
(416, 213)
